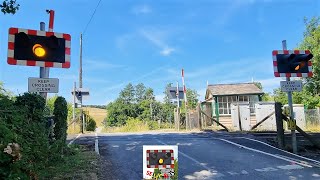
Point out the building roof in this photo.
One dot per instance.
(233, 89)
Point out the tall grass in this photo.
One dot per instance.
(137, 125)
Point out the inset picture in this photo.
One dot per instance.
(160, 162)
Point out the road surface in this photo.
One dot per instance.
(201, 156)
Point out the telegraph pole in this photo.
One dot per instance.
(178, 106)
(185, 99)
(80, 69)
(74, 106)
(80, 84)
(293, 132)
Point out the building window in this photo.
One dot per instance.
(253, 100)
(224, 103)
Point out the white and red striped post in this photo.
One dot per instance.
(51, 20)
(185, 98)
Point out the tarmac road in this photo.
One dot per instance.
(201, 156)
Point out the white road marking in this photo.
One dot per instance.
(96, 145)
(74, 139)
(267, 169)
(315, 161)
(244, 172)
(262, 152)
(232, 173)
(194, 160)
(130, 148)
(304, 162)
(290, 167)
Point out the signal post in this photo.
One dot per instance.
(292, 63)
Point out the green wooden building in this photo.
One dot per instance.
(219, 97)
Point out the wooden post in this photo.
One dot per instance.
(279, 123)
(215, 120)
(304, 134)
(199, 116)
(263, 120)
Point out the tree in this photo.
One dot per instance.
(60, 113)
(140, 92)
(192, 98)
(127, 95)
(280, 96)
(9, 7)
(50, 103)
(5, 92)
(259, 85)
(138, 103)
(149, 94)
(265, 96)
(311, 42)
(306, 98)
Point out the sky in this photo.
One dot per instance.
(214, 41)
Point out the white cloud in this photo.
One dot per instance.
(270, 83)
(121, 41)
(143, 77)
(102, 64)
(95, 80)
(157, 38)
(231, 9)
(167, 51)
(72, 77)
(142, 9)
(159, 97)
(202, 93)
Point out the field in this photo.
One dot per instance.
(97, 114)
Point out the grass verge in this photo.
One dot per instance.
(136, 125)
(313, 127)
(80, 163)
(74, 129)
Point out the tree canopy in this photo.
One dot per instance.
(311, 41)
(9, 7)
(139, 102)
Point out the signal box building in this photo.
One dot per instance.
(220, 97)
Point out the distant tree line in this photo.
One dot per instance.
(96, 106)
(139, 102)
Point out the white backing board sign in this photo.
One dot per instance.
(287, 86)
(153, 152)
(48, 85)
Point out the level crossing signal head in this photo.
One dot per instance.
(79, 94)
(29, 47)
(160, 158)
(294, 62)
(39, 48)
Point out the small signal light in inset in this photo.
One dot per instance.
(38, 50)
(160, 161)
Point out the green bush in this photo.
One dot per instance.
(134, 125)
(60, 113)
(91, 124)
(24, 144)
(153, 125)
(10, 121)
(23, 136)
(167, 125)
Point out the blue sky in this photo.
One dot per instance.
(219, 41)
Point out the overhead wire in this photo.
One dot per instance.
(86, 27)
